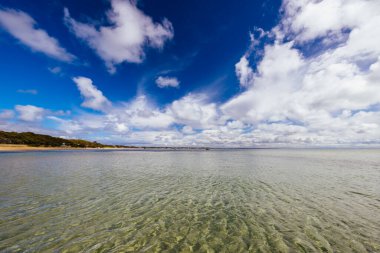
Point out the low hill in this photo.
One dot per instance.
(41, 140)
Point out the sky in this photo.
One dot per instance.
(217, 73)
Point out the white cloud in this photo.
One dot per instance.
(194, 110)
(326, 98)
(161, 138)
(121, 127)
(23, 27)
(93, 98)
(30, 113)
(142, 114)
(163, 81)
(124, 40)
(6, 114)
(274, 85)
(187, 130)
(317, 99)
(244, 72)
(138, 114)
(67, 126)
(311, 19)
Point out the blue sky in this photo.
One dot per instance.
(202, 73)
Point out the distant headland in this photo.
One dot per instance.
(13, 141)
(29, 141)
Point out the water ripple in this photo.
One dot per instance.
(222, 201)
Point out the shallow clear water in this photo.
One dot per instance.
(198, 201)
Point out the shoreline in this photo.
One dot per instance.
(21, 147)
(25, 148)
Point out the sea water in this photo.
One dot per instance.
(268, 200)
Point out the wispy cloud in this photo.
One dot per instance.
(30, 91)
(55, 70)
(24, 28)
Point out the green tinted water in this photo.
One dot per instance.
(206, 201)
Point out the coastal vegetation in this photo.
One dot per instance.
(41, 140)
(18, 141)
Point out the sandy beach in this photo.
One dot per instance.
(19, 147)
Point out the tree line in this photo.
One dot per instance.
(41, 140)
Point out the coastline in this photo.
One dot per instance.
(21, 147)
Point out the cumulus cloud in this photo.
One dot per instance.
(164, 81)
(139, 114)
(24, 28)
(292, 97)
(142, 121)
(317, 98)
(124, 40)
(307, 20)
(142, 114)
(30, 113)
(93, 98)
(195, 111)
